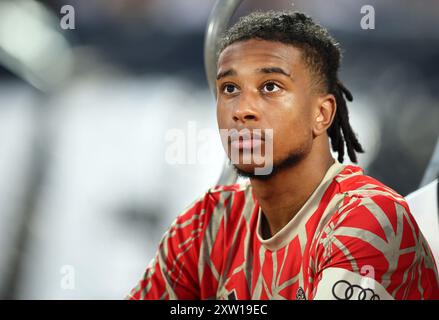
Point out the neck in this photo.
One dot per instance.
(282, 196)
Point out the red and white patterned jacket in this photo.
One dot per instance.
(354, 238)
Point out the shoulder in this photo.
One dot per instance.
(373, 229)
(371, 206)
(353, 182)
(213, 203)
(373, 226)
(371, 223)
(362, 192)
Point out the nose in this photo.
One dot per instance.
(245, 110)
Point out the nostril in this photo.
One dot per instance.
(244, 115)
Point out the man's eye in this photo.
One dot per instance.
(271, 87)
(230, 88)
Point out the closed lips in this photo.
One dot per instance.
(246, 141)
(244, 137)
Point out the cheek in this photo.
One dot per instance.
(220, 115)
(292, 131)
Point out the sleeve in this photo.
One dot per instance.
(173, 272)
(372, 249)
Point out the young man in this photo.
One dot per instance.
(311, 228)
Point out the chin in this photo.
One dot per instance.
(246, 168)
(253, 171)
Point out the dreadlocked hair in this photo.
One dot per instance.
(321, 54)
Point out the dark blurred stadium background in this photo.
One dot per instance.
(84, 181)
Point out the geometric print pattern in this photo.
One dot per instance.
(214, 249)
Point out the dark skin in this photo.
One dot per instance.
(267, 85)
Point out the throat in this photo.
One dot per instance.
(278, 219)
(282, 197)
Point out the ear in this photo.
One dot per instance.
(326, 107)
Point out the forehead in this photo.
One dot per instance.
(259, 53)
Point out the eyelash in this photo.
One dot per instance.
(224, 86)
(271, 82)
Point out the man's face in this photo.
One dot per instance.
(266, 85)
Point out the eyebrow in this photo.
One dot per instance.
(267, 70)
(226, 73)
(274, 70)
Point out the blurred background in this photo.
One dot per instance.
(86, 190)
